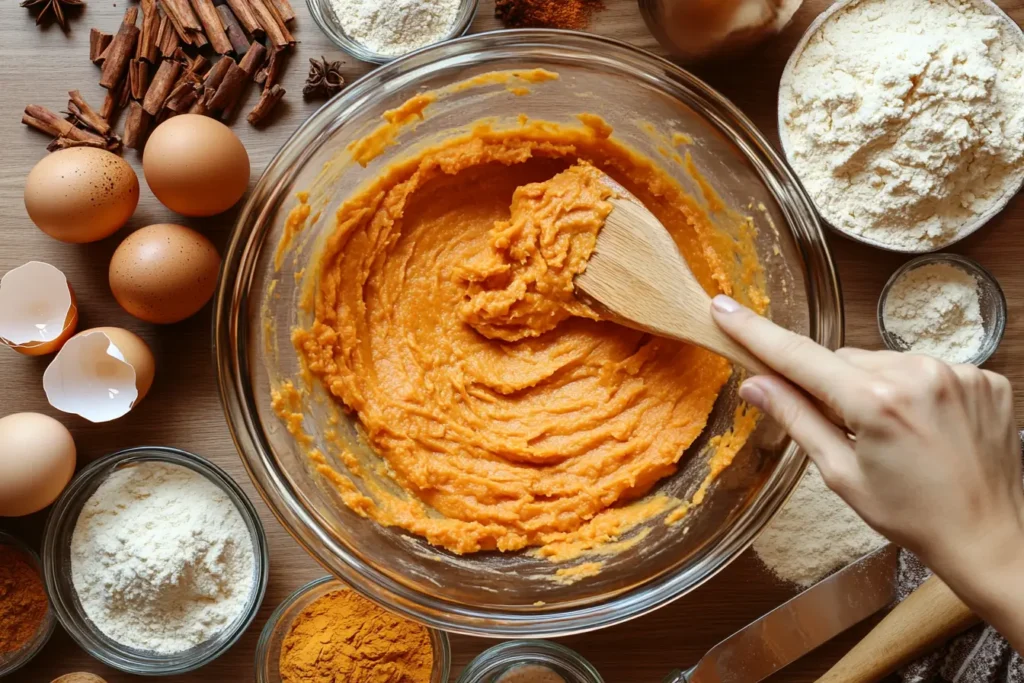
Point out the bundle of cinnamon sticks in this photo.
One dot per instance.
(158, 70)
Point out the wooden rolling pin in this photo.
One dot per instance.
(929, 617)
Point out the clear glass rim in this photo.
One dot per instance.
(84, 633)
(232, 307)
(439, 640)
(986, 280)
(28, 652)
(463, 20)
(496, 658)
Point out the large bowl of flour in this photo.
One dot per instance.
(904, 119)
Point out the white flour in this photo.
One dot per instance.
(814, 535)
(161, 558)
(394, 27)
(905, 118)
(936, 311)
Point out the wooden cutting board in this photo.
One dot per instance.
(39, 66)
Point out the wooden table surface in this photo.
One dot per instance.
(39, 66)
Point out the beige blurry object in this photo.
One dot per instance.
(164, 273)
(37, 460)
(80, 677)
(196, 165)
(699, 29)
(637, 278)
(81, 194)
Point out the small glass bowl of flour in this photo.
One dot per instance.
(155, 561)
(945, 306)
(379, 31)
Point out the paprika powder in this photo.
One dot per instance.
(565, 14)
(23, 602)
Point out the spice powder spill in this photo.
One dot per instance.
(564, 14)
(342, 636)
(23, 601)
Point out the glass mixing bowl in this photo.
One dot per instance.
(257, 305)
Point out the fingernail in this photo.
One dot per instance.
(753, 393)
(725, 304)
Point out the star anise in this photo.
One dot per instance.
(57, 6)
(324, 79)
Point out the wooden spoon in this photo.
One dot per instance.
(636, 277)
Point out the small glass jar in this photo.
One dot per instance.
(12, 661)
(500, 660)
(990, 296)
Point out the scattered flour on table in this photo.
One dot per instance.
(394, 27)
(815, 534)
(161, 558)
(936, 310)
(905, 118)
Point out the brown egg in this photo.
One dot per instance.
(164, 273)
(37, 459)
(81, 194)
(195, 165)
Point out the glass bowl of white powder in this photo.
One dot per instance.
(155, 561)
(379, 31)
(945, 306)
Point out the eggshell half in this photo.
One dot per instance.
(81, 194)
(38, 310)
(196, 165)
(164, 273)
(37, 460)
(100, 374)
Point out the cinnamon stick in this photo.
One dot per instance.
(239, 43)
(268, 100)
(279, 19)
(112, 102)
(243, 11)
(232, 97)
(146, 47)
(136, 125)
(160, 87)
(124, 93)
(215, 76)
(268, 75)
(212, 25)
(66, 143)
(185, 21)
(98, 42)
(276, 32)
(86, 114)
(138, 78)
(48, 122)
(182, 98)
(284, 10)
(122, 47)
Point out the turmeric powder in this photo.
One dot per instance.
(341, 637)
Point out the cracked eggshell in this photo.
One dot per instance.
(38, 312)
(100, 374)
(81, 194)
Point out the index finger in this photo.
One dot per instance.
(815, 369)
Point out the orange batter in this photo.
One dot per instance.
(444, 318)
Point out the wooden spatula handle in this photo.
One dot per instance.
(929, 617)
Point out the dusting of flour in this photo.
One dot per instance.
(815, 534)
(905, 118)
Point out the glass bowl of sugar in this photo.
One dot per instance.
(945, 306)
(379, 31)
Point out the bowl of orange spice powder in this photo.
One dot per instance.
(26, 620)
(327, 631)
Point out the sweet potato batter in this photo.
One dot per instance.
(444, 318)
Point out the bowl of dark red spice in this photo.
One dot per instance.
(26, 620)
(326, 631)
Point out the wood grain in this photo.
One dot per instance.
(39, 65)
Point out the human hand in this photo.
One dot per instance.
(935, 462)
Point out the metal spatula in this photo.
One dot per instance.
(809, 620)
